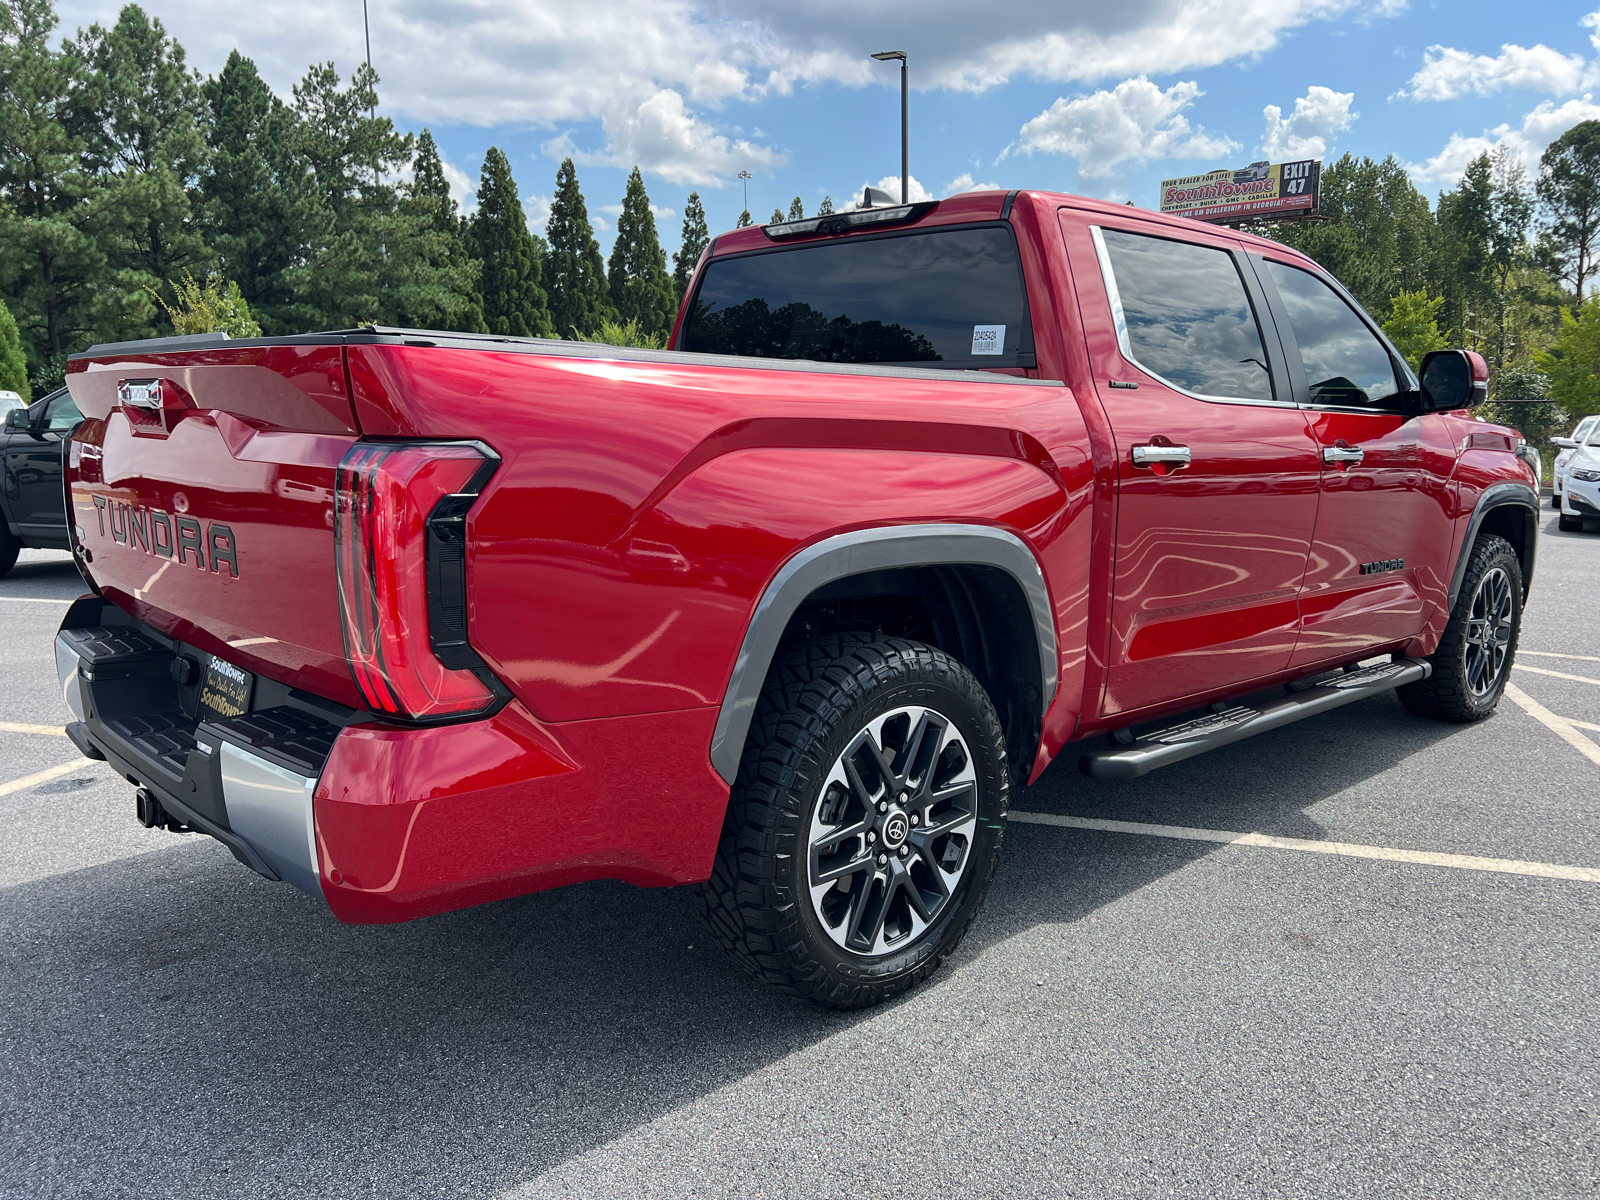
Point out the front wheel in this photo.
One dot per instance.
(9, 549)
(1473, 661)
(865, 822)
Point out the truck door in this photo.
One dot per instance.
(1217, 469)
(1381, 557)
(33, 469)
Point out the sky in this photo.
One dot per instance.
(1098, 97)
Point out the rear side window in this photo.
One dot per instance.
(945, 298)
(1185, 315)
(1346, 364)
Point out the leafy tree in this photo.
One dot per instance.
(13, 362)
(1465, 245)
(138, 113)
(1573, 362)
(614, 333)
(256, 200)
(641, 291)
(575, 273)
(797, 210)
(1569, 186)
(214, 306)
(694, 241)
(826, 207)
(745, 220)
(1522, 399)
(514, 303)
(1413, 328)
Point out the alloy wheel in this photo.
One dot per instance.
(1489, 630)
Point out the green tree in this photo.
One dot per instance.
(1413, 327)
(215, 306)
(256, 198)
(745, 220)
(575, 274)
(1466, 221)
(694, 241)
(1573, 362)
(826, 207)
(777, 216)
(641, 291)
(139, 115)
(431, 279)
(514, 303)
(797, 210)
(13, 361)
(1569, 187)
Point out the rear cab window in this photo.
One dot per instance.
(944, 298)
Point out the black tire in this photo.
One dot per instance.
(819, 702)
(9, 549)
(1473, 661)
(1555, 501)
(1568, 524)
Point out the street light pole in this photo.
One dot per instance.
(905, 122)
(747, 177)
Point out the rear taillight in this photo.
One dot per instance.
(399, 541)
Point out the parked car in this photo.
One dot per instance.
(921, 499)
(1569, 446)
(1580, 498)
(31, 497)
(8, 401)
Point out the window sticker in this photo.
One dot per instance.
(988, 339)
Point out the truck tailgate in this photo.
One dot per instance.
(202, 491)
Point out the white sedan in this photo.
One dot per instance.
(1569, 447)
(1580, 499)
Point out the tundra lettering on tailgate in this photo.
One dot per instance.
(160, 534)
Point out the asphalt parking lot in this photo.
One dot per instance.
(1134, 1015)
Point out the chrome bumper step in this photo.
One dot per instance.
(1160, 747)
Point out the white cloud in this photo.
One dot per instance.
(631, 64)
(1133, 122)
(1539, 128)
(1318, 115)
(1449, 74)
(664, 136)
(964, 183)
(537, 209)
(461, 184)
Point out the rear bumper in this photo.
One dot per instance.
(387, 824)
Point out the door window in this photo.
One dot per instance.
(1346, 364)
(61, 413)
(1183, 315)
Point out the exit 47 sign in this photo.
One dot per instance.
(1259, 191)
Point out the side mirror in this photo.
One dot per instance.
(1565, 443)
(17, 419)
(1453, 379)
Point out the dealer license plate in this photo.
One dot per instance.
(225, 691)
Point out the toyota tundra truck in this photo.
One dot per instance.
(919, 500)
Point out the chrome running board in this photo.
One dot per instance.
(1160, 747)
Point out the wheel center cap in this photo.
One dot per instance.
(895, 830)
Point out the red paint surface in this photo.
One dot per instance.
(640, 509)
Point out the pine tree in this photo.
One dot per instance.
(514, 303)
(641, 291)
(575, 274)
(13, 361)
(826, 207)
(777, 216)
(432, 279)
(745, 220)
(695, 239)
(797, 211)
(1569, 186)
(256, 201)
(1465, 218)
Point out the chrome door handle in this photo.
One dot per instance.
(1351, 455)
(1149, 456)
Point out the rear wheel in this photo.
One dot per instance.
(9, 549)
(865, 822)
(1473, 661)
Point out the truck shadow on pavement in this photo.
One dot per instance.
(175, 1025)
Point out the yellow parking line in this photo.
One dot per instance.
(44, 776)
(13, 727)
(1557, 674)
(1559, 726)
(1461, 862)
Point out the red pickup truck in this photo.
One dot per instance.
(920, 499)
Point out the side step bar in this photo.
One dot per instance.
(1175, 743)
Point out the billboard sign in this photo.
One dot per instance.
(1261, 190)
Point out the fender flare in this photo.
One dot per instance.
(1497, 495)
(853, 554)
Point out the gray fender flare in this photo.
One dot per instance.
(1496, 496)
(853, 554)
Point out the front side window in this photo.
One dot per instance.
(1346, 364)
(945, 298)
(61, 414)
(1185, 315)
